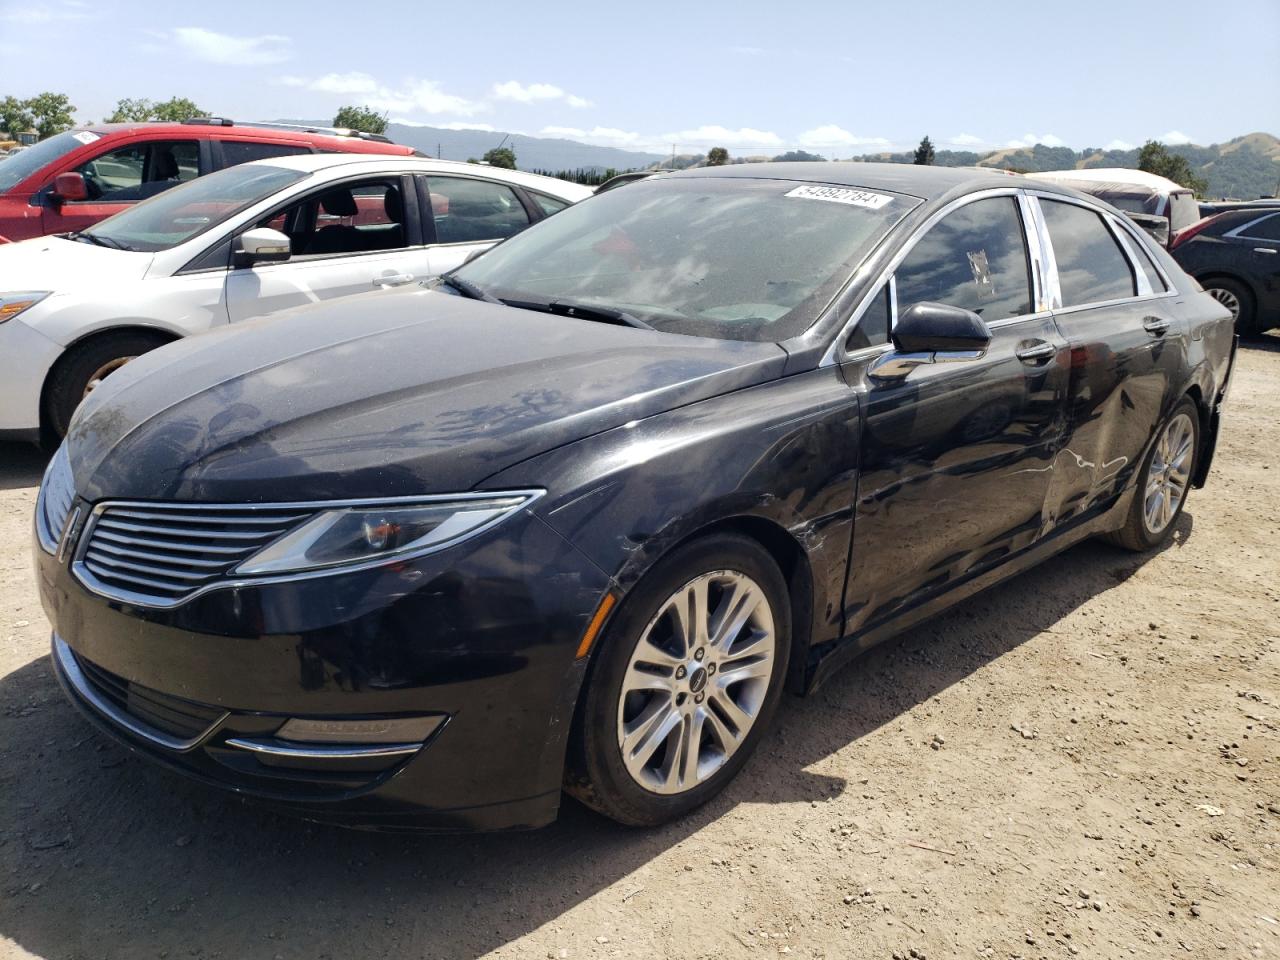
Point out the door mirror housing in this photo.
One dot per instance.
(262, 245)
(1157, 227)
(928, 327)
(70, 186)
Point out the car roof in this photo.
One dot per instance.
(248, 131)
(317, 162)
(924, 182)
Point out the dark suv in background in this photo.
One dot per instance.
(1236, 258)
(73, 180)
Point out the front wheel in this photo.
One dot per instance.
(85, 366)
(1164, 481)
(685, 682)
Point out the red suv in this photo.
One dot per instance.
(73, 180)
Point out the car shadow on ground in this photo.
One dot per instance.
(104, 855)
(1269, 342)
(21, 465)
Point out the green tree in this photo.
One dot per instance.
(361, 118)
(717, 157)
(797, 155)
(176, 109)
(501, 157)
(14, 115)
(52, 113)
(130, 111)
(1154, 157)
(924, 152)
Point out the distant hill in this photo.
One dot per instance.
(1246, 167)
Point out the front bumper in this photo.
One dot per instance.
(26, 356)
(481, 637)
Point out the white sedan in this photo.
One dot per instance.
(241, 243)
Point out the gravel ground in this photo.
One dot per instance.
(1084, 761)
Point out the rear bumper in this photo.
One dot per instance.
(484, 644)
(26, 357)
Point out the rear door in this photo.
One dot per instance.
(122, 175)
(1261, 239)
(1127, 344)
(956, 456)
(470, 215)
(348, 237)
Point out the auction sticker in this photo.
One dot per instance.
(855, 198)
(85, 136)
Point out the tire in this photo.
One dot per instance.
(688, 688)
(79, 367)
(1238, 298)
(1141, 531)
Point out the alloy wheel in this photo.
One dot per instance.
(1169, 473)
(1227, 299)
(104, 371)
(696, 682)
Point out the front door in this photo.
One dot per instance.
(348, 238)
(956, 457)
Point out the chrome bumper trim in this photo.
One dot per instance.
(323, 751)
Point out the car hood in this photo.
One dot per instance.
(385, 394)
(52, 263)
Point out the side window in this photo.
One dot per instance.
(472, 211)
(362, 217)
(243, 151)
(873, 326)
(140, 170)
(1268, 229)
(1148, 267)
(548, 205)
(1091, 266)
(975, 258)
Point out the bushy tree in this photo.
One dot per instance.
(174, 110)
(51, 113)
(924, 152)
(14, 116)
(1154, 157)
(365, 119)
(501, 157)
(717, 157)
(798, 155)
(177, 109)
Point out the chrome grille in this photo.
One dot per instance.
(160, 554)
(57, 494)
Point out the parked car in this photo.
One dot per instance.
(1236, 258)
(74, 179)
(1155, 203)
(238, 244)
(579, 513)
(1210, 207)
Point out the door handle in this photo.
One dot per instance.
(1156, 326)
(393, 280)
(1270, 250)
(1037, 351)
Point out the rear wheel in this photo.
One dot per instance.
(1164, 482)
(1237, 298)
(83, 368)
(685, 682)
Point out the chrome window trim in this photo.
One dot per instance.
(835, 351)
(91, 583)
(1141, 285)
(1239, 234)
(85, 691)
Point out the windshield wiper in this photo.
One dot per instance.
(468, 289)
(583, 311)
(98, 241)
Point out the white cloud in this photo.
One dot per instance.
(421, 96)
(1031, 139)
(717, 136)
(1119, 145)
(518, 92)
(966, 140)
(223, 48)
(47, 13)
(605, 136)
(572, 133)
(833, 136)
(1174, 138)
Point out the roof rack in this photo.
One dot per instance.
(210, 121)
(300, 127)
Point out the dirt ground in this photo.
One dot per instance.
(1084, 762)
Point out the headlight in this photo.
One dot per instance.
(364, 532)
(12, 304)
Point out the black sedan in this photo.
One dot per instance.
(1236, 257)
(575, 517)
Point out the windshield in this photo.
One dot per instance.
(730, 258)
(177, 215)
(15, 169)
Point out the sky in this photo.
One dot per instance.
(838, 77)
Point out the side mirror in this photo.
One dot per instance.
(929, 333)
(262, 245)
(70, 187)
(1158, 227)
